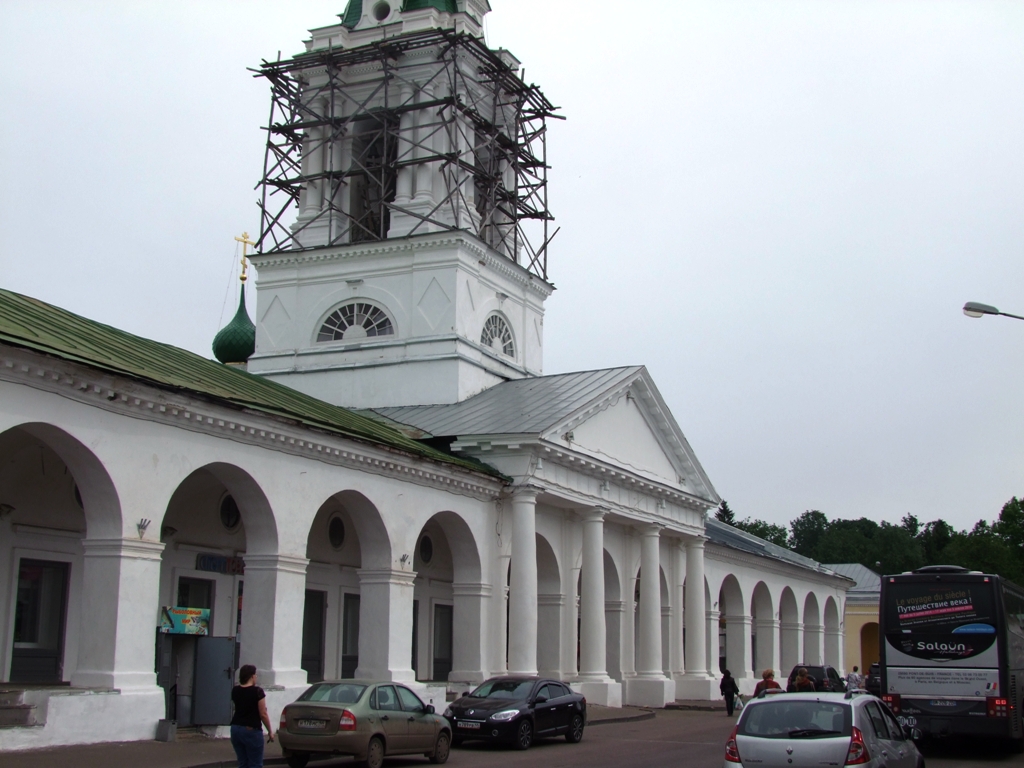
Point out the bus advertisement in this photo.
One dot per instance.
(952, 652)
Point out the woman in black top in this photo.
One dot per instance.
(729, 690)
(250, 716)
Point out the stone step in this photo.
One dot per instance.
(12, 696)
(13, 715)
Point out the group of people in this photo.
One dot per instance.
(801, 683)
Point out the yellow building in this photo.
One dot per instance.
(860, 619)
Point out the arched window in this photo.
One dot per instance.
(358, 320)
(498, 336)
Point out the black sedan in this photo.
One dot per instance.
(517, 710)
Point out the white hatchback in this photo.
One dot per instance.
(805, 730)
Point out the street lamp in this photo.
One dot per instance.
(974, 309)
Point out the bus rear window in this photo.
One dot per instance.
(944, 607)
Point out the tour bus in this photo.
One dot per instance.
(952, 652)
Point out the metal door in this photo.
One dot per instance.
(313, 641)
(211, 693)
(39, 618)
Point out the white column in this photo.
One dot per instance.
(649, 657)
(737, 645)
(767, 648)
(470, 632)
(275, 590)
(696, 683)
(714, 641)
(792, 645)
(813, 641)
(522, 641)
(385, 624)
(593, 639)
(120, 600)
(676, 645)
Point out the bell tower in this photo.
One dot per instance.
(402, 254)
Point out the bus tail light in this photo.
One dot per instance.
(893, 700)
(998, 707)
(732, 750)
(857, 754)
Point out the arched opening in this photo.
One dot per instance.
(813, 634)
(868, 646)
(613, 618)
(550, 602)
(346, 536)
(665, 620)
(833, 635)
(734, 629)
(790, 632)
(763, 624)
(216, 517)
(447, 601)
(53, 491)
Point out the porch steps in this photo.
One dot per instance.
(14, 712)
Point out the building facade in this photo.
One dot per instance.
(476, 517)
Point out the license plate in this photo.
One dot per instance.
(319, 724)
(468, 725)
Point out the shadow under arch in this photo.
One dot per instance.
(832, 633)
(614, 611)
(762, 614)
(550, 603)
(732, 612)
(100, 500)
(812, 650)
(790, 647)
(257, 516)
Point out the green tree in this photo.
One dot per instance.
(806, 531)
(984, 550)
(776, 534)
(724, 514)
(911, 524)
(1010, 525)
(934, 538)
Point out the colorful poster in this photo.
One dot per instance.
(185, 621)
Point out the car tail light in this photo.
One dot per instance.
(283, 725)
(347, 721)
(893, 700)
(857, 754)
(998, 707)
(732, 750)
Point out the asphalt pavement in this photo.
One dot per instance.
(690, 738)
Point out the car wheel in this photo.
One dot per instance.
(575, 733)
(298, 760)
(524, 734)
(441, 748)
(375, 753)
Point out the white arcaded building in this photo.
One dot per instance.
(473, 517)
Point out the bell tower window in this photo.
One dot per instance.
(358, 320)
(498, 336)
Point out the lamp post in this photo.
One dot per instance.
(974, 309)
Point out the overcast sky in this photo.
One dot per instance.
(778, 207)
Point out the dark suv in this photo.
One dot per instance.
(825, 678)
(873, 682)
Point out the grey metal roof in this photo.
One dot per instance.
(869, 583)
(727, 536)
(521, 406)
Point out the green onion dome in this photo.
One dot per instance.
(236, 341)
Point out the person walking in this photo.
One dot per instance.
(250, 716)
(767, 683)
(854, 679)
(729, 690)
(803, 683)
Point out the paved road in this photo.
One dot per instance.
(672, 739)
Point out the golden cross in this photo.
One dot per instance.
(245, 241)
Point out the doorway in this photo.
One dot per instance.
(350, 637)
(443, 626)
(39, 619)
(313, 639)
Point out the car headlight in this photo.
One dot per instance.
(504, 715)
(448, 712)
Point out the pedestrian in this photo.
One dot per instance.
(854, 680)
(729, 690)
(803, 682)
(767, 683)
(250, 716)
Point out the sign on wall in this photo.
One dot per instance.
(185, 621)
(234, 566)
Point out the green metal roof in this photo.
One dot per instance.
(353, 13)
(236, 341)
(441, 5)
(33, 324)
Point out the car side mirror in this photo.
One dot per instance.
(541, 698)
(429, 709)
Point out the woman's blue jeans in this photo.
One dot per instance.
(248, 744)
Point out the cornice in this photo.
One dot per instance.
(484, 255)
(126, 397)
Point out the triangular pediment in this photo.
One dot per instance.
(629, 425)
